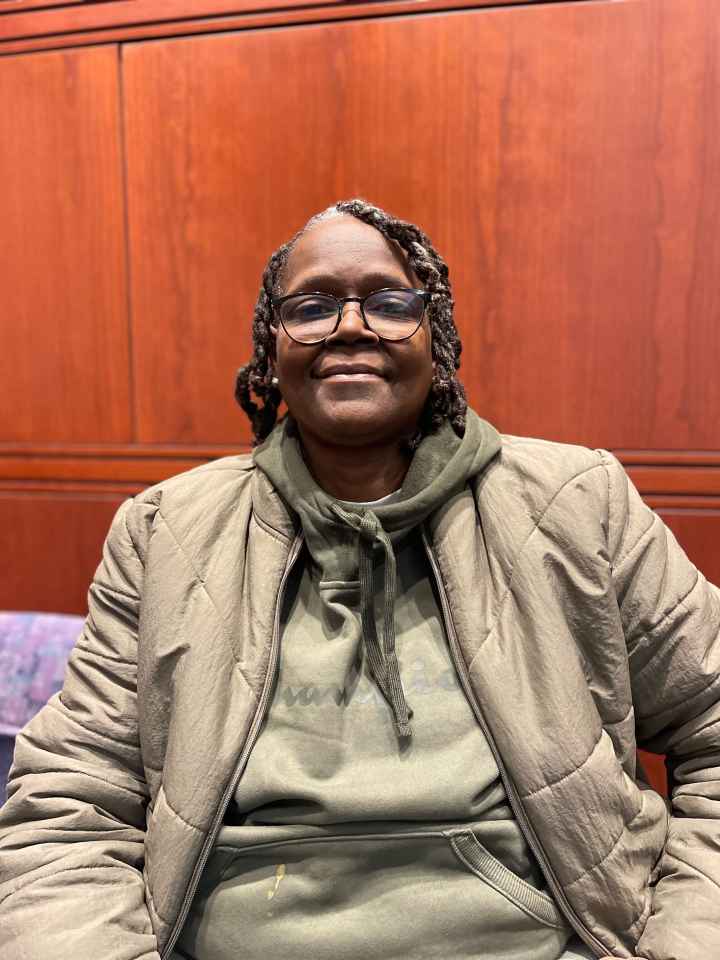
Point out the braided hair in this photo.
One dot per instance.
(446, 399)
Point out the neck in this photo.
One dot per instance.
(361, 473)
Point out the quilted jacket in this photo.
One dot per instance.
(581, 631)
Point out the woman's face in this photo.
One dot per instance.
(382, 401)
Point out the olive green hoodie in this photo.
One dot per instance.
(371, 819)
(342, 538)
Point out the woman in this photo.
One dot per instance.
(375, 690)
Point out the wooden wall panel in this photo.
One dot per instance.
(565, 158)
(699, 534)
(23, 28)
(64, 362)
(54, 541)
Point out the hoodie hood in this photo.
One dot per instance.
(342, 537)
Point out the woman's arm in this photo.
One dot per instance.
(671, 619)
(72, 830)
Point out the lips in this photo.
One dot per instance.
(348, 369)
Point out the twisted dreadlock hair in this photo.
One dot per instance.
(446, 399)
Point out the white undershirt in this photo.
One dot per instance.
(372, 503)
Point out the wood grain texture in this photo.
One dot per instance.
(64, 362)
(55, 541)
(18, 6)
(698, 532)
(75, 17)
(108, 468)
(698, 503)
(84, 487)
(91, 450)
(565, 158)
(680, 485)
(670, 458)
(114, 20)
(685, 480)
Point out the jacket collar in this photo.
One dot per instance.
(269, 509)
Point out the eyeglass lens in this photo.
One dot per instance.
(391, 314)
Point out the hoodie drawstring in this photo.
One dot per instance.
(383, 660)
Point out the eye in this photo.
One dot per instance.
(390, 305)
(394, 304)
(308, 309)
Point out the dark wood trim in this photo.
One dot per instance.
(685, 480)
(679, 479)
(671, 458)
(85, 494)
(142, 470)
(46, 18)
(22, 6)
(702, 506)
(132, 451)
(665, 505)
(116, 465)
(118, 21)
(70, 488)
(678, 512)
(668, 458)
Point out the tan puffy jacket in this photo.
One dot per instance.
(582, 626)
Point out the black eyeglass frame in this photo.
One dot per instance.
(277, 302)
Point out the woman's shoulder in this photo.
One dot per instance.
(536, 472)
(516, 449)
(204, 495)
(215, 475)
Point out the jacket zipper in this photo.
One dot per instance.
(510, 789)
(244, 754)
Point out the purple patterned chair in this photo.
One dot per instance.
(34, 648)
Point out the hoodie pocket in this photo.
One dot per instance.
(393, 895)
(488, 868)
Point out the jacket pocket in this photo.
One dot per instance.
(477, 858)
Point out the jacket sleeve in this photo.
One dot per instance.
(72, 830)
(671, 620)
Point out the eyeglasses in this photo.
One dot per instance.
(392, 314)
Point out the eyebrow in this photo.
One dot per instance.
(330, 282)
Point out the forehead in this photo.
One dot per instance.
(347, 249)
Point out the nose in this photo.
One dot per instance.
(352, 328)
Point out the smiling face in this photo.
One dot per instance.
(354, 388)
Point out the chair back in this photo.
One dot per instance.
(34, 649)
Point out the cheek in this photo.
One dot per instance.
(292, 365)
(285, 358)
(418, 368)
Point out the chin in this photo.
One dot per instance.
(354, 424)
